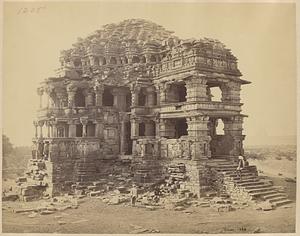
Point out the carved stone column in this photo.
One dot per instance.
(119, 98)
(62, 97)
(71, 97)
(88, 98)
(233, 127)
(198, 133)
(122, 138)
(231, 92)
(99, 129)
(151, 98)
(48, 128)
(72, 128)
(196, 89)
(135, 89)
(166, 128)
(36, 129)
(54, 129)
(98, 88)
(41, 123)
(84, 122)
(134, 128)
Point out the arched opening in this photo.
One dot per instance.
(125, 60)
(60, 132)
(103, 61)
(96, 61)
(135, 59)
(143, 60)
(219, 127)
(113, 61)
(107, 98)
(216, 94)
(180, 127)
(142, 129)
(150, 128)
(77, 62)
(79, 130)
(152, 58)
(177, 93)
(90, 129)
(79, 98)
(142, 97)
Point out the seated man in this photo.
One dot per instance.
(241, 165)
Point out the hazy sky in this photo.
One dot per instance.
(261, 36)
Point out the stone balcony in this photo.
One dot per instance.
(181, 109)
(66, 111)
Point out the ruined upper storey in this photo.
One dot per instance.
(138, 48)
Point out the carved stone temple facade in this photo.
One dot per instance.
(135, 91)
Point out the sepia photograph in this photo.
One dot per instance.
(149, 117)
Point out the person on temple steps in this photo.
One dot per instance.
(241, 165)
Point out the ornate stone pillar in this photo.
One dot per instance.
(231, 92)
(88, 98)
(54, 129)
(122, 138)
(48, 128)
(72, 128)
(134, 128)
(233, 127)
(166, 128)
(41, 123)
(163, 93)
(135, 94)
(151, 98)
(196, 89)
(198, 133)
(119, 98)
(61, 95)
(71, 97)
(98, 88)
(84, 122)
(36, 129)
(99, 129)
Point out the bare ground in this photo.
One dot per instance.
(94, 216)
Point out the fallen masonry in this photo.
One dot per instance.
(132, 103)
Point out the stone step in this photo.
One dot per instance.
(258, 190)
(274, 196)
(277, 199)
(262, 192)
(282, 202)
(245, 178)
(250, 183)
(244, 174)
(257, 186)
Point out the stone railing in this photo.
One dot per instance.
(195, 61)
(175, 148)
(186, 106)
(56, 148)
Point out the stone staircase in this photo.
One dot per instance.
(249, 188)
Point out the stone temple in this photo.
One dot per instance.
(132, 95)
